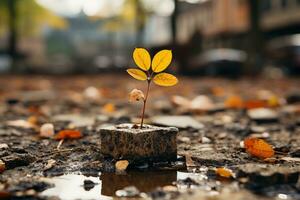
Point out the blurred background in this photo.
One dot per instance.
(207, 37)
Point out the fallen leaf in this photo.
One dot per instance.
(137, 74)
(121, 165)
(234, 102)
(68, 134)
(253, 104)
(2, 166)
(224, 172)
(142, 58)
(47, 130)
(165, 79)
(161, 60)
(258, 148)
(136, 95)
(109, 108)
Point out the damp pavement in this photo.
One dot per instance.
(212, 124)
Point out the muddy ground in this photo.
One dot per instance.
(210, 136)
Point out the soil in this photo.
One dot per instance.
(31, 162)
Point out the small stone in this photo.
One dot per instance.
(75, 120)
(263, 115)
(121, 165)
(129, 191)
(21, 124)
(92, 93)
(88, 185)
(170, 188)
(47, 130)
(3, 146)
(179, 121)
(2, 166)
(149, 143)
(205, 140)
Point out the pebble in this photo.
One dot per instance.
(179, 121)
(263, 115)
(3, 146)
(205, 140)
(130, 191)
(88, 185)
(47, 130)
(92, 93)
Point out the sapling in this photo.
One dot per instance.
(150, 70)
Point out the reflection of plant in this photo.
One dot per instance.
(150, 71)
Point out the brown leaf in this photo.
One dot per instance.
(68, 134)
(121, 165)
(258, 148)
(234, 102)
(224, 172)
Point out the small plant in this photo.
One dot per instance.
(150, 71)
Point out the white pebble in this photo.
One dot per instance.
(47, 130)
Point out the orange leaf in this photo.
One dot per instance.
(252, 104)
(68, 134)
(258, 148)
(224, 172)
(234, 102)
(109, 108)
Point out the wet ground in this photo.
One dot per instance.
(212, 128)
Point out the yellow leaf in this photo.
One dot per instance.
(165, 79)
(161, 60)
(137, 74)
(142, 58)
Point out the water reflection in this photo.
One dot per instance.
(71, 186)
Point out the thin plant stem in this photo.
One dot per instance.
(144, 106)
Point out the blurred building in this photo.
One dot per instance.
(225, 23)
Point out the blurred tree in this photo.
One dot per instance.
(255, 38)
(24, 19)
(174, 22)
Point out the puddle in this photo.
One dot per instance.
(71, 186)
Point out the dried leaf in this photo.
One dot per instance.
(109, 108)
(161, 60)
(121, 165)
(258, 148)
(137, 74)
(234, 102)
(252, 104)
(165, 79)
(142, 58)
(2, 166)
(224, 172)
(136, 95)
(68, 134)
